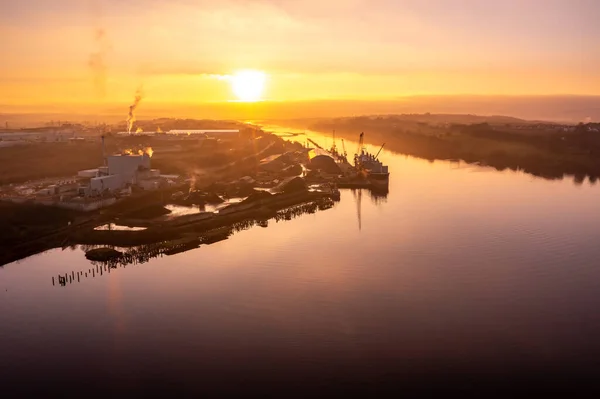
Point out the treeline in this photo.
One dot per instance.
(548, 153)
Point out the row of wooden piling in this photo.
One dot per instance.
(144, 253)
(72, 277)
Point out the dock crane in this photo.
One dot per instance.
(361, 143)
(333, 146)
(344, 148)
(379, 150)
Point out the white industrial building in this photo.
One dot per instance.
(88, 173)
(93, 189)
(127, 166)
(187, 132)
(101, 183)
(122, 171)
(210, 132)
(38, 136)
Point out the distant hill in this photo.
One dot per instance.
(406, 119)
(564, 109)
(447, 118)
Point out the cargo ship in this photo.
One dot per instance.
(376, 172)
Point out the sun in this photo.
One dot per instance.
(248, 85)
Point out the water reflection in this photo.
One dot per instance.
(118, 227)
(466, 272)
(377, 197)
(144, 253)
(182, 210)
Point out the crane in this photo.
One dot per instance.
(333, 146)
(344, 148)
(361, 143)
(379, 150)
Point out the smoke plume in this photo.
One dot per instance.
(131, 117)
(148, 151)
(97, 61)
(192, 183)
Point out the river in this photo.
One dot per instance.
(462, 274)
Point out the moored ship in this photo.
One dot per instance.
(377, 173)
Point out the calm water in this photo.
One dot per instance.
(461, 274)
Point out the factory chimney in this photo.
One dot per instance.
(103, 152)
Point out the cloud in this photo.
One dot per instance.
(97, 61)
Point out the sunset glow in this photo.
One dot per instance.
(248, 85)
(309, 50)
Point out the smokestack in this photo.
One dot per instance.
(103, 152)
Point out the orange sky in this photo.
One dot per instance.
(351, 49)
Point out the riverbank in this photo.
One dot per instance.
(548, 150)
(184, 226)
(31, 228)
(72, 229)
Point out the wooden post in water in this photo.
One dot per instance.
(52, 280)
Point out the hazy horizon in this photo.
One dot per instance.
(98, 53)
(567, 109)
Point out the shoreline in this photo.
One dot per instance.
(549, 154)
(185, 227)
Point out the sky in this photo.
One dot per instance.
(76, 52)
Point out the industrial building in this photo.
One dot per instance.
(207, 132)
(128, 166)
(122, 171)
(100, 184)
(93, 189)
(189, 132)
(38, 136)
